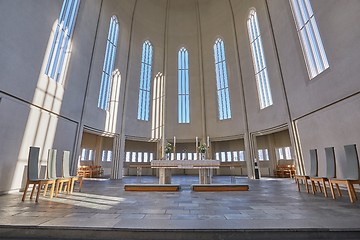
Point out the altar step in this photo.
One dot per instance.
(219, 187)
(193, 187)
(152, 187)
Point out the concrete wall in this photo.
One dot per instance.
(95, 117)
(183, 31)
(325, 108)
(336, 21)
(274, 115)
(149, 24)
(35, 110)
(216, 21)
(334, 126)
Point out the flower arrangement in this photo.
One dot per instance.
(202, 148)
(168, 148)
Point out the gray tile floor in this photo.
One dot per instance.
(269, 204)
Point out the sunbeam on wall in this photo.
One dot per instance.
(157, 109)
(42, 120)
(112, 114)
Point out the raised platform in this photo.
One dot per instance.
(219, 187)
(152, 187)
(272, 209)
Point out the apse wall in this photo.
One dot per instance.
(194, 25)
(34, 109)
(183, 31)
(326, 109)
(148, 24)
(94, 117)
(276, 114)
(217, 22)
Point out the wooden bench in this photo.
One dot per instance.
(152, 187)
(219, 187)
(89, 171)
(285, 171)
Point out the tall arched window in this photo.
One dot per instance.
(183, 86)
(222, 80)
(109, 61)
(62, 36)
(261, 74)
(311, 43)
(145, 79)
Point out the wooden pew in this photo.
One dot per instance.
(285, 171)
(89, 171)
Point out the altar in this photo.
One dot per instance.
(205, 168)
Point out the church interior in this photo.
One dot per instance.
(258, 101)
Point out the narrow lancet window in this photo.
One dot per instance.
(261, 75)
(222, 80)
(311, 43)
(109, 62)
(183, 86)
(145, 80)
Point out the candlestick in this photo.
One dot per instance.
(196, 146)
(208, 141)
(174, 141)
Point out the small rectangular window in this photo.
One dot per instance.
(229, 156)
(260, 155)
(145, 157)
(133, 157)
(127, 156)
(84, 154)
(280, 153)
(235, 156)
(241, 154)
(288, 153)
(91, 155)
(223, 156)
(263, 154)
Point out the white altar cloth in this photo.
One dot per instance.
(185, 164)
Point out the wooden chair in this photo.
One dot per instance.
(52, 173)
(352, 174)
(33, 176)
(313, 171)
(66, 172)
(330, 171)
